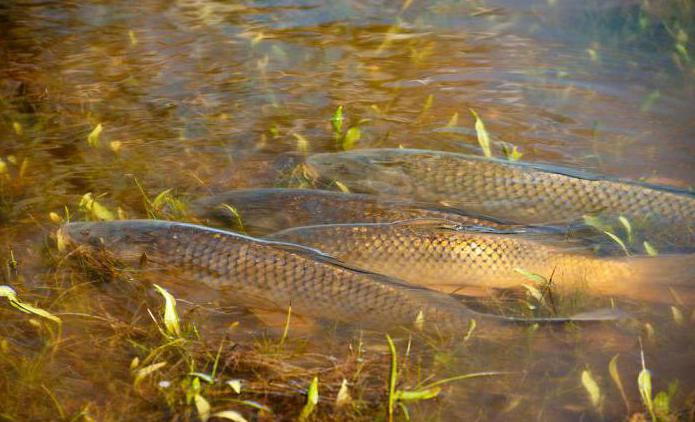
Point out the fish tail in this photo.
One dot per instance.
(658, 279)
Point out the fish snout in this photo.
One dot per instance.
(70, 235)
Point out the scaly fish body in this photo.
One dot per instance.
(270, 275)
(263, 211)
(517, 192)
(441, 256)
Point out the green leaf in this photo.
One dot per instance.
(472, 324)
(15, 302)
(649, 249)
(235, 385)
(424, 394)
(644, 383)
(337, 121)
(662, 405)
(141, 373)
(677, 314)
(512, 155)
(617, 240)
(592, 388)
(393, 377)
(302, 142)
(235, 213)
(342, 186)
(171, 318)
(615, 376)
(483, 137)
(312, 399)
(202, 407)
(29, 309)
(628, 227)
(93, 137)
(93, 209)
(454, 120)
(203, 376)
(597, 223)
(351, 137)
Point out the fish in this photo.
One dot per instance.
(444, 256)
(523, 193)
(264, 211)
(272, 275)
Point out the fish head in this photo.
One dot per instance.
(368, 171)
(127, 243)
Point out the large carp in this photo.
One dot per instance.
(512, 191)
(263, 211)
(274, 275)
(442, 255)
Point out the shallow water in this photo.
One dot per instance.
(203, 96)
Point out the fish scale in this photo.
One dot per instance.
(271, 275)
(440, 255)
(263, 211)
(511, 191)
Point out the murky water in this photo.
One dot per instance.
(203, 96)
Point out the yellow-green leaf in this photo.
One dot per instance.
(17, 128)
(337, 121)
(312, 399)
(115, 146)
(342, 186)
(424, 394)
(617, 240)
(351, 137)
(592, 388)
(148, 370)
(94, 209)
(615, 375)
(649, 249)
(93, 137)
(235, 385)
(171, 317)
(202, 406)
(454, 120)
(678, 317)
(512, 154)
(628, 227)
(483, 136)
(302, 142)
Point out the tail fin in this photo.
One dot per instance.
(660, 279)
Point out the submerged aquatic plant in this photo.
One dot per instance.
(11, 295)
(171, 317)
(483, 136)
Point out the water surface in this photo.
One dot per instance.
(203, 96)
